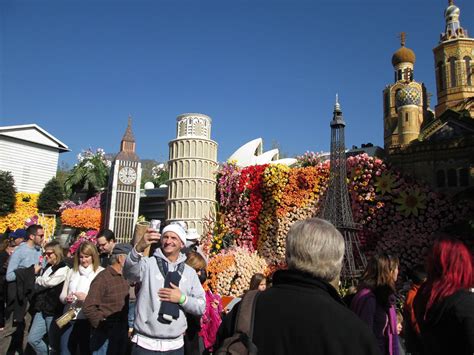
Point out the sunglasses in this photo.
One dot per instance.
(48, 253)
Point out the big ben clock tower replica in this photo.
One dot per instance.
(124, 189)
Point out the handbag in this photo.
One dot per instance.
(66, 317)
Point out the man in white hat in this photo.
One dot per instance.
(169, 289)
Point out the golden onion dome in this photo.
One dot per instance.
(403, 54)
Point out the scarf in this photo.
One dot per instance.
(81, 279)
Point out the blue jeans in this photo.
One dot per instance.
(76, 338)
(110, 338)
(39, 327)
(138, 350)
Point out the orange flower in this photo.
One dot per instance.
(88, 218)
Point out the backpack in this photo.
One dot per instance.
(240, 343)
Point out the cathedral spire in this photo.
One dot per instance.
(128, 136)
(127, 145)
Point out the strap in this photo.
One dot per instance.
(159, 262)
(164, 267)
(245, 317)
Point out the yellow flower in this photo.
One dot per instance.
(384, 183)
(411, 201)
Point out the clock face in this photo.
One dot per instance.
(127, 175)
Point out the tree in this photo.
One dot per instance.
(7, 193)
(63, 173)
(90, 174)
(50, 197)
(147, 168)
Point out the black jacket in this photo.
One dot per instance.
(449, 325)
(46, 299)
(301, 314)
(20, 292)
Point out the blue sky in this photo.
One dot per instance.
(267, 69)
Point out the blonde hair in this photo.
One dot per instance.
(315, 246)
(195, 260)
(87, 248)
(57, 250)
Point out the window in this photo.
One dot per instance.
(452, 178)
(406, 117)
(440, 178)
(452, 71)
(440, 76)
(469, 71)
(464, 177)
(386, 103)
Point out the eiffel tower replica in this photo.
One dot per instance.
(337, 207)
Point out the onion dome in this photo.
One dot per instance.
(408, 95)
(451, 11)
(404, 54)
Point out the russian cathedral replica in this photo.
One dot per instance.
(435, 146)
(192, 166)
(124, 189)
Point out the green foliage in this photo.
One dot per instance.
(7, 193)
(50, 197)
(89, 175)
(63, 173)
(154, 172)
(147, 173)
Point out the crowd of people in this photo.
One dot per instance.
(110, 298)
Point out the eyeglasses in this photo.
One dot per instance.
(40, 235)
(48, 253)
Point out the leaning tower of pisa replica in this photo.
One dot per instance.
(192, 165)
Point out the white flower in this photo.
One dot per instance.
(88, 165)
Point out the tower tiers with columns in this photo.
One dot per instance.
(192, 166)
(454, 63)
(124, 189)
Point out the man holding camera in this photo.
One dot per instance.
(169, 289)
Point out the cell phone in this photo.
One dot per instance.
(155, 224)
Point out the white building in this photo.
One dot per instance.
(31, 154)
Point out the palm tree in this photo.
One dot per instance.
(90, 175)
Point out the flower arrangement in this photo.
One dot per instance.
(310, 159)
(26, 214)
(89, 236)
(258, 204)
(87, 218)
(87, 215)
(229, 273)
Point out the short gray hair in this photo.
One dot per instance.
(114, 258)
(315, 246)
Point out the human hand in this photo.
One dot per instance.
(81, 296)
(37, 268)
(172, 294)
(215, 304)
(151, 236)
(71, 298)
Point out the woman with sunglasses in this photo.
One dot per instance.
(46, 303)
(375, 299)
(76, 334)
